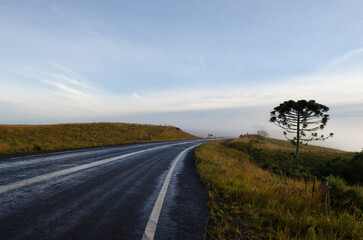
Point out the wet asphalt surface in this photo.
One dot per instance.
(110, 201)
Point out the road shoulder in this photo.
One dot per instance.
(185, 213)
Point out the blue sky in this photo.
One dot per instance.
(205, 66)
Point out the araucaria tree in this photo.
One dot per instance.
(302, 119)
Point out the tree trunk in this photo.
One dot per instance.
(298, 139)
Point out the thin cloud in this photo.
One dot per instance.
(346, 57)
(327, 89)
(68, 91)
(74, 82)
(137, 96)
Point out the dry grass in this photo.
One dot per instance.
(280, 153)
(276, 144)
(246, 201)
(30, 138)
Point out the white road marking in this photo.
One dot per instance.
(70, 151)
(26, 182)
(155, 213)
(56, 153)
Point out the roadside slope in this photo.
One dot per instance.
(33, 138)
(247, 202)
(278, 155)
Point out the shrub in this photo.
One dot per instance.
(353, 198)
(262, 133)
(337, 186)
(14, 143)
(342, 197)
(334, 167)
(349, 169)
(37, 147)
(354, 169)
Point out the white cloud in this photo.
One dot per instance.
(346, 57)
(327, 89)
(66, 90)
(342, 89)
(137, 96)
(73, 81)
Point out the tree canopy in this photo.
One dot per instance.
(303, 119)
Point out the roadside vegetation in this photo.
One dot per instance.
(33, 138)
(279, 155)
(254, 194)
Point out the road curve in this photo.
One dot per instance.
(141, 191)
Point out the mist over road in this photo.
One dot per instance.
(140, 191)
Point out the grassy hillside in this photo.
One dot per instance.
(30, 138)
(246, 201)
(278, 155)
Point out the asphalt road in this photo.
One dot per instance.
(141, 191)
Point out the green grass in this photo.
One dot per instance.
(246, 201)
(278, 154)
(32, 138)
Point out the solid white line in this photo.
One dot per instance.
(155, 213)
(83, 150)
(55, 153)
(26, 182)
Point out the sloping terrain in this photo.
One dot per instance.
(248, 202)
(278, 155)
(32, 138)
